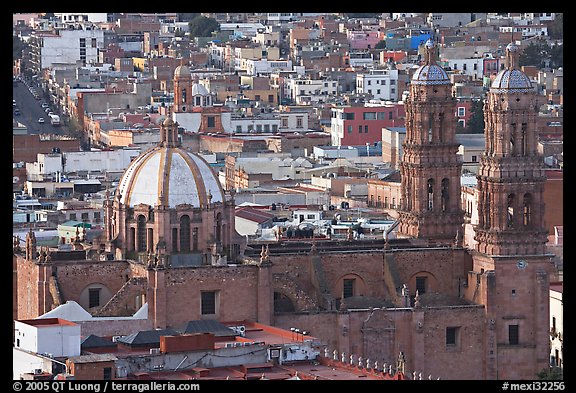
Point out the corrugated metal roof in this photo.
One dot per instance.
(147, 337)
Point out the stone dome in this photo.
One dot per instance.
(182, 72)
(430, 74)
(510, 81)
(172, 174)
(198, 89)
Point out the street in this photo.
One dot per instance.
(31, 110)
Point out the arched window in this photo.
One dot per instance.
(198, 98)
(141, 233)
(527, 204)
(183, 96)
(445, 194)
(219, 227)
(184, 233)
(430, 194)
(510, 210)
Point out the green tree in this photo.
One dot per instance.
(556, 28)
(551, 373)
(18, 46)
(556, 56)
(380, 45)
(187, 16)
(476, 122)
(534, 54)
(202, 26)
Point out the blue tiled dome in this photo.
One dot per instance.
(511, 81)
(430, 74)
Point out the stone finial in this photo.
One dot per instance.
(48, 255)
(390, 369)
(405, 296)
(326, 352)
(430, 377)
(368, 363)
(343, 357)
(360, 361)
(417, 300)
(351, 359)
(401, 363)
(414, 375)
(335, 355)
(385, 368)
(420, 376)
(375, 365)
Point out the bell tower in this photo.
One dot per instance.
(511, 268)
(430, 168)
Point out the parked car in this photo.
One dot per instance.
(41, 120)
(44, 105)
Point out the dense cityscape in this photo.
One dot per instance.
(287, 196)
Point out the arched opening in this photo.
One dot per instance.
(219, 227)
(445, 195)
(510, 210)
(141, 233)
(527, 205)
(184, 233)
(430, 194)
(183, 96)
(283, 303)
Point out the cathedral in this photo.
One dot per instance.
(455, 313)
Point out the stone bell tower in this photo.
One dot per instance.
(430, 168)
(510, 266)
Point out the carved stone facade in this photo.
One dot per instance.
(430, 167)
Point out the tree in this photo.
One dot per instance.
(202, 26)
(556, 56)
(551, 373)
(534, 54)
(476, 122)
(18, 46)
(380, 45)
(556, 28)
(187, 16)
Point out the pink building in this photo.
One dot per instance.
(360, 39)
(359, 125)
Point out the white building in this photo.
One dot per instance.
(49, 336)
(264, 66)
(361, 59)
(95, 17)
(381, 84)
(307, 91)
(557, 324)
(70, 46)
(52, 165)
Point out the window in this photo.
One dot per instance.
(310, 216)
(349, 129)
(270, 98)
(461, 111)
(369, 115)
(107, 373)
(93, 42)
(208, 302)
(464, 67)
(348, 116)
(238, 128)
(360, 129)
(266, 127)
(93, 297)
(513, 334)
(474, 159)
(84, 217)
(258, 127)
(257, 97)
(366, 129)
(348, 287)
(284, 122)
(451, 336)
(378, 91)
(299, 122)
(141, 233)
(274, 127)
(381, 116)
(97, 216)
(390, 115)
(195, 239)
(211, 122)
(184, 233)
(421, 285)
(73, 216)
